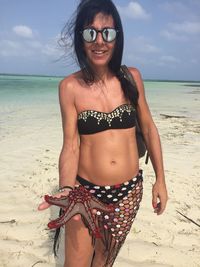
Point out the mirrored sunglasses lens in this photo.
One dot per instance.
(109, 35)
(89, 35)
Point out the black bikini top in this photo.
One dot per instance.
(92, 121)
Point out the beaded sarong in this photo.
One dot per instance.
(114, 226)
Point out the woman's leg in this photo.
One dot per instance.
(78, 245)
(116, 227)
(100, 255)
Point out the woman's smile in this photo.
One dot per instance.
(100, 52)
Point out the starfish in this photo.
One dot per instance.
(78, 201)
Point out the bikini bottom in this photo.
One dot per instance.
(114, 226)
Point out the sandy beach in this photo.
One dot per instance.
(29, 157)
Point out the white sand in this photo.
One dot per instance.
(29, 170)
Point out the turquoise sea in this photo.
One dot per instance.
(32, 100)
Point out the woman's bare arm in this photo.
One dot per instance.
(152, 140)
(69, 156)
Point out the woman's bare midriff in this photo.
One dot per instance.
(108, 157)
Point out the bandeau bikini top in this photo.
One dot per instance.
(92, 121)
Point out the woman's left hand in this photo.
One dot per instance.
(159, 197)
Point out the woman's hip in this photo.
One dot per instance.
(112, 193)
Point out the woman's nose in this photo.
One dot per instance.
(99, 38)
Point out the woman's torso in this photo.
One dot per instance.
(109, 156)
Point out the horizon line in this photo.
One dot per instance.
(62, 76)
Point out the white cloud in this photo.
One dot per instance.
(31, 49)
(9, 48)
(181, 31)
(134, 11)
(187, 27)
(186, 19)
(170, 35)
(34, 44)
(50, 50)
(169, 59)
(23, 31)
(175, 7)
(149, 48)
(141, 51)
(136, 60)
(143, 45)
(182, 9)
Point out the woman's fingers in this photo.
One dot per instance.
(162, 206)
(155, 200)
(44, 205)
(159, 197)
(78, 217)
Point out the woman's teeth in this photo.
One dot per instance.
(98, 52)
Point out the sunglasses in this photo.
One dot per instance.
(90, 34)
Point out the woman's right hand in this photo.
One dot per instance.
(44, 205)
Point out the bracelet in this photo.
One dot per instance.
(64, 188)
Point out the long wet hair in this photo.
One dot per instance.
(71, 35)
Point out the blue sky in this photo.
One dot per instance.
(162, 37)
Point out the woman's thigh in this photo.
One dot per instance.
(115, 227)
(78, 245)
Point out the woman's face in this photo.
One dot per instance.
(99, 52)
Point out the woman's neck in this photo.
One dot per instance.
(102, 73)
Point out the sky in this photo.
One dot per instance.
(162, 37)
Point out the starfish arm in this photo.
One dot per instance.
(96, 204)
(72, 210)
(63, 201)
(90, 218)
(69, 212)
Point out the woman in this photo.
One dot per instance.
(98, 106)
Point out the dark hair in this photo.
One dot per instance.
(83, 16)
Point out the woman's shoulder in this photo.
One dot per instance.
(137, 77)
(70, 80)
(135, 72)
(70, 83)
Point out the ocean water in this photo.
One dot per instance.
(27, 102)
(178, 98)
(33, 101)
